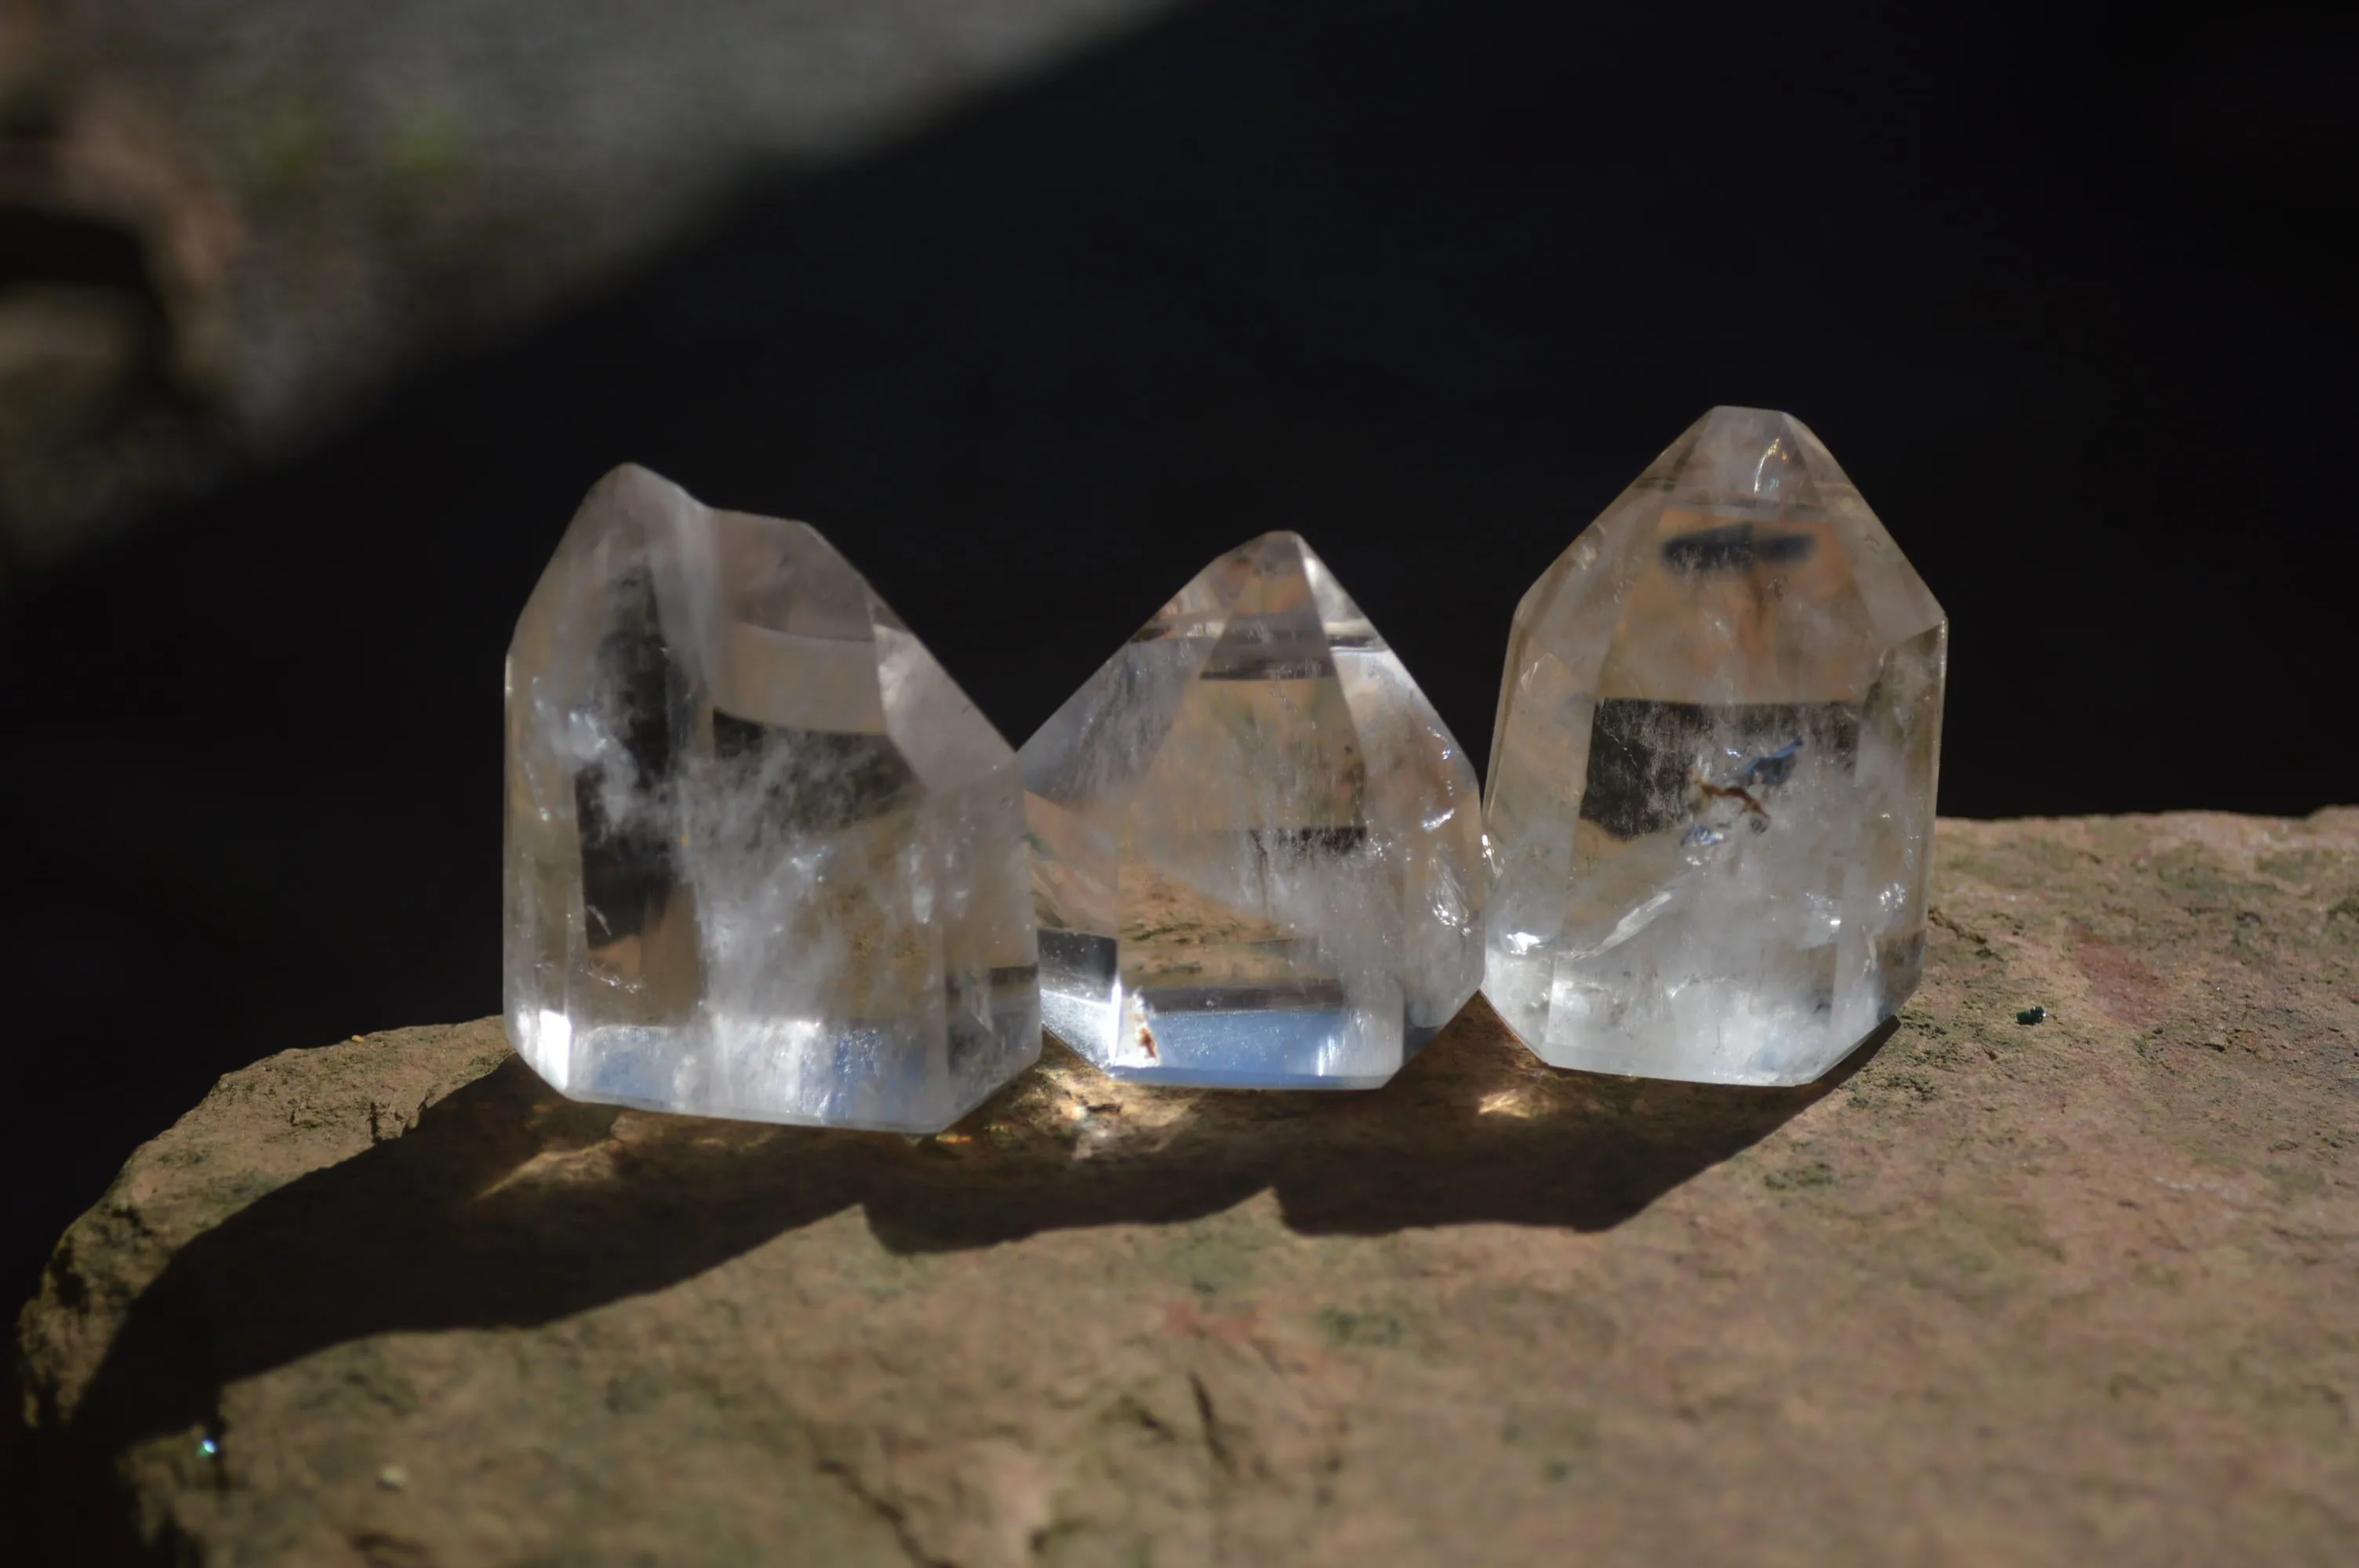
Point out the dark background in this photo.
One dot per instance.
(1429, 282)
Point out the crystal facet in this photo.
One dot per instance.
(1712, 782)
(1258, 852)
(763, 859)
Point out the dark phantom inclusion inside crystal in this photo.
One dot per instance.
(1285, 652)
(1643, 756)
(1737, 547)
(628, 874)
(1775, 769)
(829, 780)
(1345, 839)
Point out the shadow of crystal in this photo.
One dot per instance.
(1473, 1130)
(509, 1205)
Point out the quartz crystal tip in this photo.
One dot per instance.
(1712, 783)
(763, 859)
(1256, 849)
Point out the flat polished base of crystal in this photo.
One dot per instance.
(795, 1072)
(1624, 1063)
(1704, 1034)
(1226, 1050)
(1233, 1037)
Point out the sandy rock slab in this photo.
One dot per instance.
(2084, 1290)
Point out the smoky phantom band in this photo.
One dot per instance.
(765, 860)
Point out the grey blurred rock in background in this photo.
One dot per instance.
(223, 224)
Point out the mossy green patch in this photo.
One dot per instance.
(1809, 1173)
(1359, 1330)
(427, 142)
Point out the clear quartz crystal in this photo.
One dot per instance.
(1712, 781)
(1258, 852)
(763, 859)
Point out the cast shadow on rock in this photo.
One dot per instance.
(508, 1206)
(1475, 1130)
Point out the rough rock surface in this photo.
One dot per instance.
(2063, 1291)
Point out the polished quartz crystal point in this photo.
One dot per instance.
(1258, 852)
(1710, 792)
(763, 859)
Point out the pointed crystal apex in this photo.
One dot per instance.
(1746, 458)
(1257, 851)
(1712, 783)
(763, 859)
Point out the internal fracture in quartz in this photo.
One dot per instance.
(1258, 852)
(1711, 780)
(763, 859)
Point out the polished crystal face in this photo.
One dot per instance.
(1258, 852)
(763, 859)
(1712, 784)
